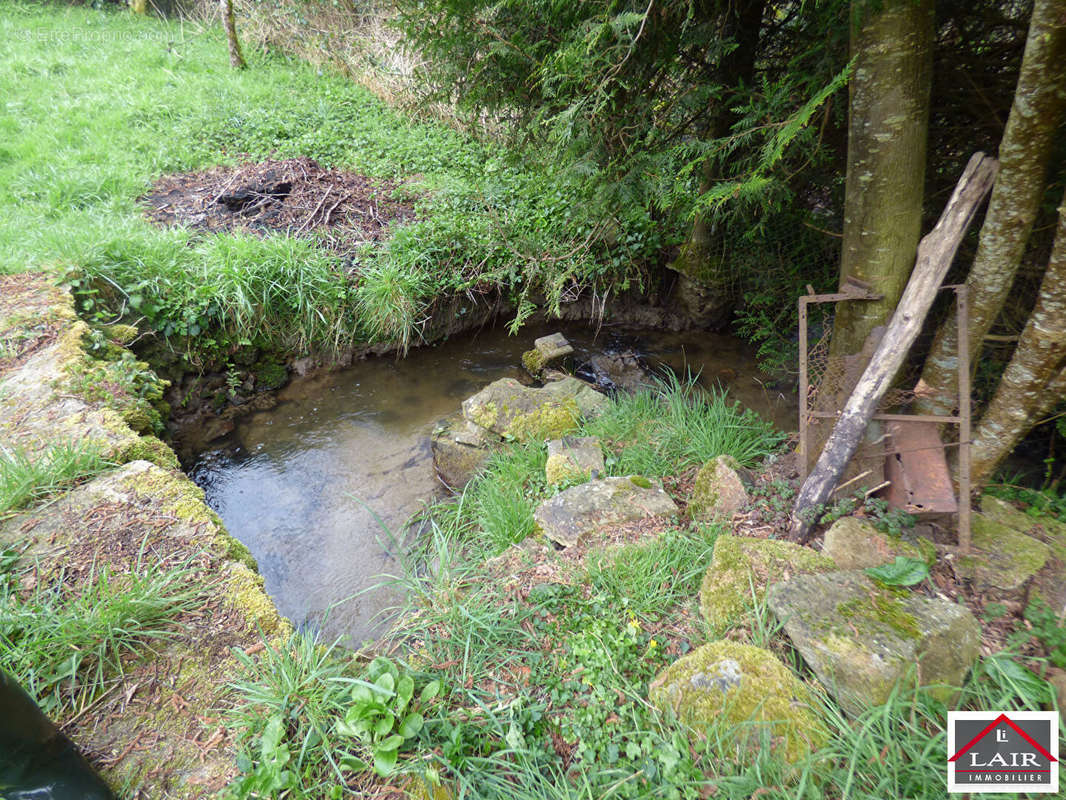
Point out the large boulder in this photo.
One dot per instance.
(508, 408)
(741, 565)
(855, 543)
(1003, 558)
(862, 639)
(583, 509)
(718, 492)
(573, 458)
(745, 690)
(460, 448)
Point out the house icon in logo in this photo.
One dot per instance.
(1003, 753)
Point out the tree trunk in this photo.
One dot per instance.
(935, 254)
(704, 283)
(1033, 381)
(1038, 109)
(236, 58)
(139, 6)
(888, 121)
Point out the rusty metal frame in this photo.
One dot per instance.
(856, 290)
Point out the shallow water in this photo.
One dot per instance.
(315, 485)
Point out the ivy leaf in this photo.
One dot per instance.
(901, 572)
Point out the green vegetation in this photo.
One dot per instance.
(25, 480)
(67, 644)
(89, 126)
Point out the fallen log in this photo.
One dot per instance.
(935, 254)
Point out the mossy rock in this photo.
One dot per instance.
(507, 408)
(741, 564)
(742, 691)
(120, 334)
(855, 543)
(1003, 559)
(862, 639)
(1043, 527)
(573, 460)
(718, 492)
(270, 374)
(584, 509)
(460, 449)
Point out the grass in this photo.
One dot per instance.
(98, 103)
(25, 480)
(66, 645)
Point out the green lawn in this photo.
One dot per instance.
(98, 103)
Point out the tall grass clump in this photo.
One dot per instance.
(675, 423)
(25, 480)
(66, 645)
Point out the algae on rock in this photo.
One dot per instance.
(745, 692)
(741, 565)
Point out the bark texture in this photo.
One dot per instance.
(935, 254)
(892, 41)
(236, 58)
(1038, 110)
(1035, 379)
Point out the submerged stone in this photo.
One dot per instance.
(718, 492)
(862, 639)
(855, 543)
(573, 458)
(741, 566)
(460, 448)
(744, 692)
(583, 509)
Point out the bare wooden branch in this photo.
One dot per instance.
(935, 254)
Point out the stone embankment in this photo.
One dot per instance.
(156, 729)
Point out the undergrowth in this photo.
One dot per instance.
(66, 645)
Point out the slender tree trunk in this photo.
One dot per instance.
(139, 6)
(704, 281)
(1034, 381)
(1038, 110)
(236, 58)
(888, 121)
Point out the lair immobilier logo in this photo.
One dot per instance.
(1015, 751)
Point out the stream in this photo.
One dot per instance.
(321, 486)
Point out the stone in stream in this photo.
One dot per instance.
(746, 691)
(545, 350)
(741, 569)
(583, 509)
(718, 492)
(855, 543)
(460, 448)
(508, 408)
(862, 639)
(573, 458)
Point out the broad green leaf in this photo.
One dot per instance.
(392, 743)
(386, 682)
(429, 691)
(384, 762)
(405, 688)
(384, 724)
(901, 572)
(411, 725)
(354, 763)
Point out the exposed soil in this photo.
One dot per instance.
(296, 196)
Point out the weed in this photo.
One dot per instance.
(25, 480)
(66, 646)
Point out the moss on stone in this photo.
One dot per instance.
(149, 448)
(743, 691)
(533, 361)
(245, 592)
(881, 608)
(1004, 558)
(484, 415)
(640, 481)
(560, 469)
(741, 565)
(270, 374)
(549, 421)
(120, 334)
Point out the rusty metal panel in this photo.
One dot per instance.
(918, 469)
